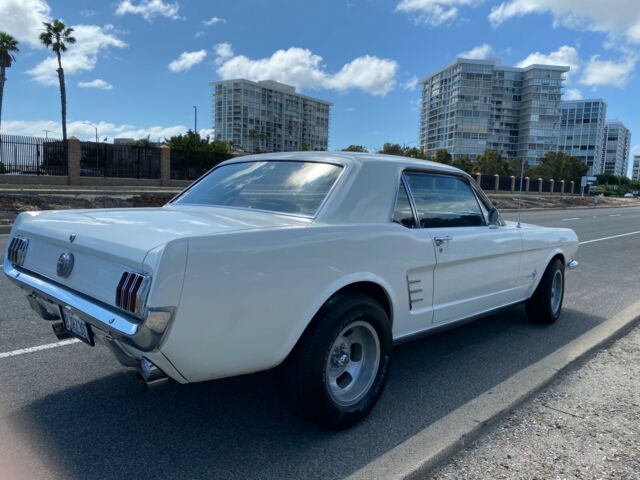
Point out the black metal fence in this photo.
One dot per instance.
(32, 156)
(190, 164)
(487, 182)
(119, 160)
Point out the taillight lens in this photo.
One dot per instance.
(17, 250)
(131, 292)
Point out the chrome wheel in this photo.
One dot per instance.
(352, 363)
(557, 286)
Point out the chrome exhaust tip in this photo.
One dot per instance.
(150, 374)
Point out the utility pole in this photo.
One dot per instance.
(195, 119)
(96, 129)
(46, 134)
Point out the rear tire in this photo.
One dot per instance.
(338, 370)
(545, 306)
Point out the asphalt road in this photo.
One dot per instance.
(74, 413)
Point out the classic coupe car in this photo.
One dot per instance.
(313, 262)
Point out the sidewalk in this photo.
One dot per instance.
(585, 426)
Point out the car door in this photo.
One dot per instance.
(476, 263)
(418, 273)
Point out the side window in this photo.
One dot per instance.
(444, 201)
(403, 213)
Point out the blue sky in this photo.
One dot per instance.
(140, 66)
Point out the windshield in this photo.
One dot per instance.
(280, 186)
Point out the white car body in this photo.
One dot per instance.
(232, 290)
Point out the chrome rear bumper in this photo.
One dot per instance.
(46, 297)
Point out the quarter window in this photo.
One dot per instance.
(403, 213)
(444, 201)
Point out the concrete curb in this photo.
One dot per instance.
(416, 456)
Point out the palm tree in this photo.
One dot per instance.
(57, 36)
(8, 45)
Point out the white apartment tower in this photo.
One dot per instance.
(617, 147)
(268, 116)
(635, 172)
(471, 106)
(582, 126)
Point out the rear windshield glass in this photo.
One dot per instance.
(284, 186)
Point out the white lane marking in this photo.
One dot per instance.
(572, 218)
(609, 238)
(37, 348)
(615, 215)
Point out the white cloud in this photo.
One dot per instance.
(480, 52)
(213, 21)
(198, 34)
(88, 13)
(616, 17)
(86, 132)
(97, 83)
(149, 9)
(301, 68)
(222, 51)
(92, 40)
(564, 56)
(187, 60)
(599, 72)
(434, 12)
(572, 94)
(350, 109)
(410, 84)
(23, 19)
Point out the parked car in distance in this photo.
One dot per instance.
(313, 262)
(30, 171)
(629, 195)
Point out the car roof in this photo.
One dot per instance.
(347, 158)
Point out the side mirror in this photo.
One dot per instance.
(494, 215)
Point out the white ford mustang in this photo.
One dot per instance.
(314, 261)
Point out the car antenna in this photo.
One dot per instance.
(520, 194)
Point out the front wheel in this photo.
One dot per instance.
(545, 305)
(338, 370)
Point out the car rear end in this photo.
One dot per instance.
(98, 289)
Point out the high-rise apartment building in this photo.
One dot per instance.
(635, 172)
(582, 125)
(471, 106)
(617, 146)
(268, 116)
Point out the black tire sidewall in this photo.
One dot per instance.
(539, 306)
(331, 321)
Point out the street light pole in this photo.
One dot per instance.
(97, 153)
(195, 119)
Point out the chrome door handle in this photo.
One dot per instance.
(440, 240)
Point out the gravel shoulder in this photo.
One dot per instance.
(585, 426)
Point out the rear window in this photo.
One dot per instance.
(290, 187)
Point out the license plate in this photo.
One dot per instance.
(76, 326)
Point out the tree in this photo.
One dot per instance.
(560, 166)
(413, 152)
(8, 46)
(465, 163)
(491, 163)
(193, 141)
(391, 149)
(402, 150)
(442, 156)
(355, 148)
(57, 36)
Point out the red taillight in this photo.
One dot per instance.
(131, 292)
